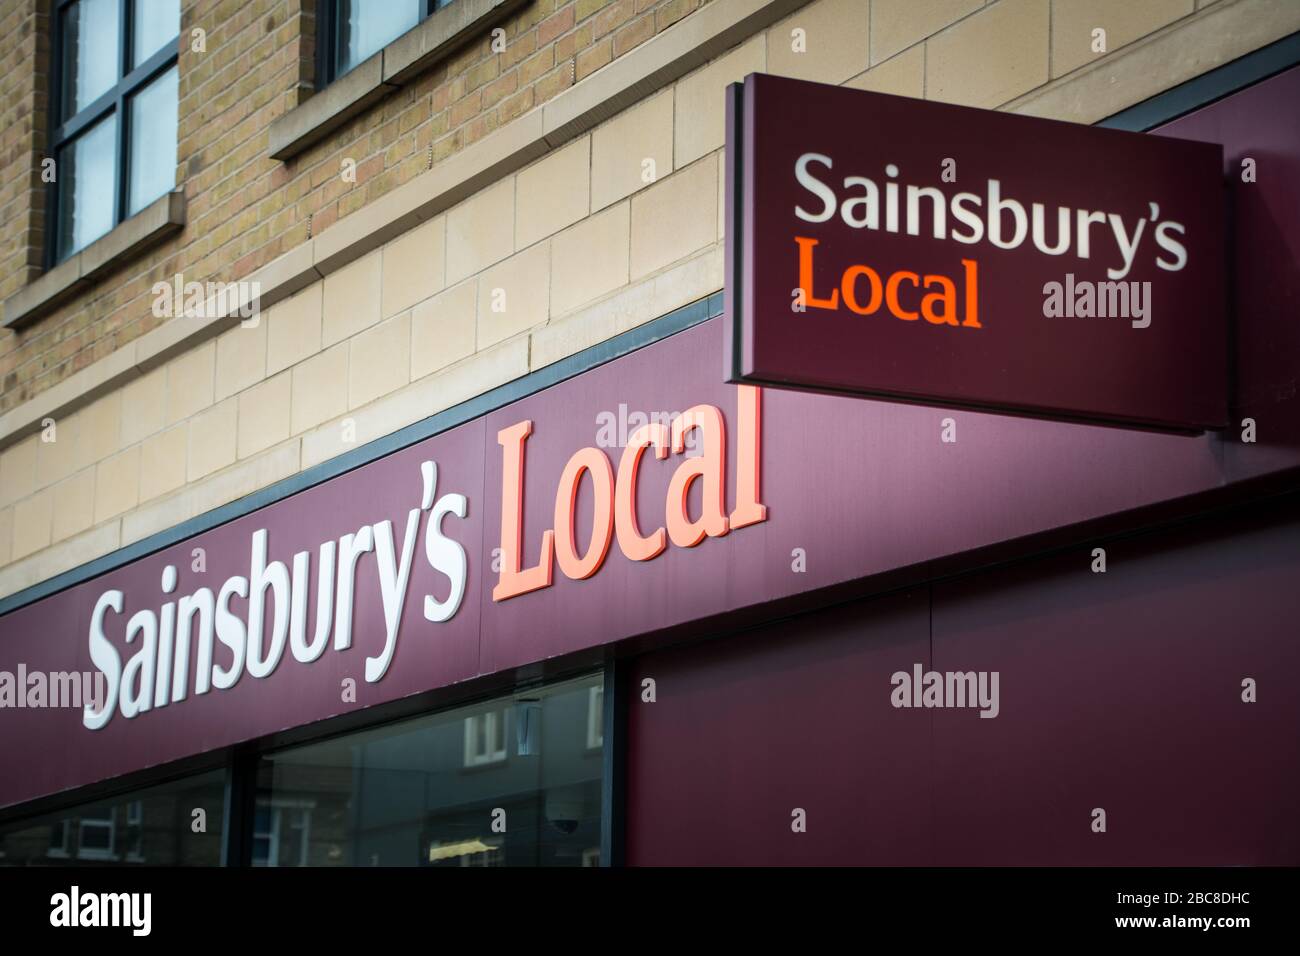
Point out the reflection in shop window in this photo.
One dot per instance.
(134, 838)
(150, 826)
(95, 835)
(595, 717)
(59, 833)
(485, 738)
(281, 829)
(446, 789)
(468, 852)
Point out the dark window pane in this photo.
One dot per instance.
(97, 832)
(153, 826)
(90, 52)
(154, 24)
(86, 175)
(405, 794)
(364, 26)
(153, 142)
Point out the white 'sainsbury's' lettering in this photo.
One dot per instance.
(158, 672)
(861, 205)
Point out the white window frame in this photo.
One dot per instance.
(97, 853)
(303, 808)
(488, 720)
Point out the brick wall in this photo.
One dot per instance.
(24, 104)
(245, 208)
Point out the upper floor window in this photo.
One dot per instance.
(354, 30)
(114, 103)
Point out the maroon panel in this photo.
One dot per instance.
(1122, 691)
(55, 751)
(991, 344)
(1119, 690)
(1259, 124)
(795, 715)
(862, 487)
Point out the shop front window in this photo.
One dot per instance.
(173, 824)
(508, 782)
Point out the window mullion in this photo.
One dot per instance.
(86, 118)
(119, 159)
(151, 68)
(124, 66)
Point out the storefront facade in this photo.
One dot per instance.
(459, 549)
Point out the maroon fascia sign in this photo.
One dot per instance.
(894, 248)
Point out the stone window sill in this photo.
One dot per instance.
(158, 220)
(387, 71)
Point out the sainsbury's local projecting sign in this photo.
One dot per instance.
(921, 252)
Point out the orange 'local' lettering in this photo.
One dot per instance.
(862, 291)
(614, 502)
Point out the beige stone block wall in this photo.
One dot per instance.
(590, 259)
(293, 329)
(898, 24)
(351, 299)
(241, 358)
(144, 405)
(73, 505)
(632, 150)
(117, 483)
(319, 388)
(380, 360)
(553, 193)
(162, 462)
(991, 56)
(18, 470)
(823, 42)
(481, 231)
(190, 380)
(609, 230)
(674, 217)
(513, 296)
(441, 329)
(414, 266)
(263, 415)
(901, 75)
(700, 117)
(1074, 43)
